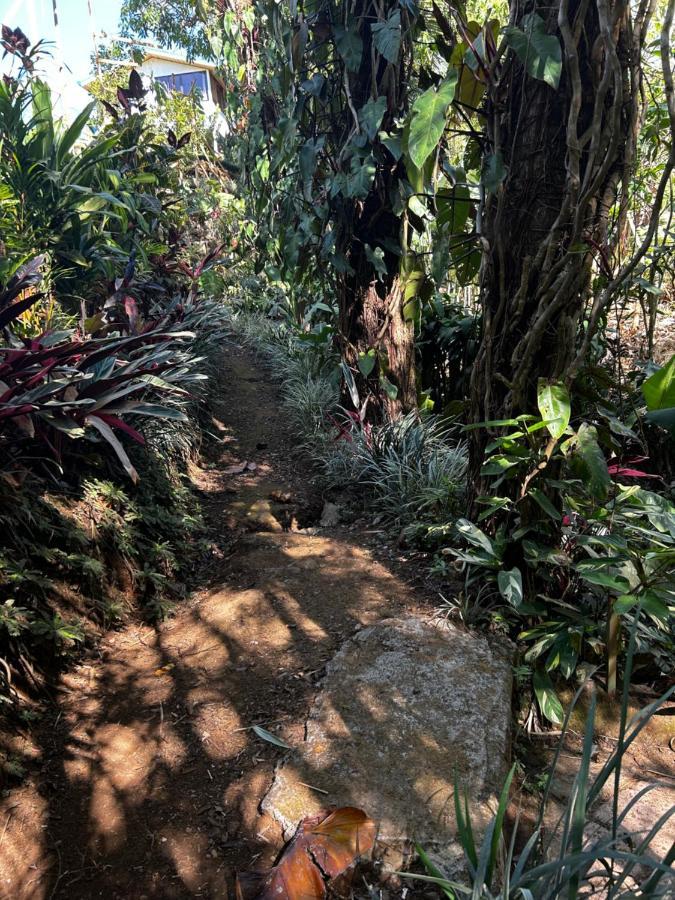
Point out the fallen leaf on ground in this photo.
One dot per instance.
(322, 848)
(164, 670)
(281, 496)
(236, 469)
(271, 738)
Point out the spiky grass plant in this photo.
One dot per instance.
(575, 860)
(409, 466)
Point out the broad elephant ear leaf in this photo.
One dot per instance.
(387, 36)
(539, 51)
(555, 406)
(323, 847)
(429, 117)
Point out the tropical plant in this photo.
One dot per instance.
(576, 551)
(574, 857)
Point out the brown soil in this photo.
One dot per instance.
(144, 778)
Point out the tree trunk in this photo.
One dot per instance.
(371, 315)
(566, 151)
(371, 302)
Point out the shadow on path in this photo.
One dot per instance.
(148, 778)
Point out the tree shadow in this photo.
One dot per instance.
(147, 777)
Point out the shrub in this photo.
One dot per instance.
(408, 469)
(576, 859)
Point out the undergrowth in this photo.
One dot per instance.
(567, 854)
(81, 552)
(404, 470)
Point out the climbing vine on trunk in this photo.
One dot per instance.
(329, 188)
(563, 114)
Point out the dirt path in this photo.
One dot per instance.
(147, 777)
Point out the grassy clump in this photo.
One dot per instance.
(408, 469)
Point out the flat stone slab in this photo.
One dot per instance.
(404, 705)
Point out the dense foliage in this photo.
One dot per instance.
(103, 356)
(457, 228)
(480, 187)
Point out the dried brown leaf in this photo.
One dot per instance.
(322, 848)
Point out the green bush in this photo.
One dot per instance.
(567, 861)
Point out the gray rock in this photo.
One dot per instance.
(330, 515)
(404, 705)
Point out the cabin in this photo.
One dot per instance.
(177, 74)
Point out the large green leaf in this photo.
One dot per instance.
(510, 583)
(387, 36)
(475, 536)
(349, 45)
(359, 182)
(539, 52)
(554, 404)
(429, 114)
(73, 133)
(548, 701)
(592, 461)
(454, 204)
(466, 258)
(663, 417)
(659, 388)
(371, 115)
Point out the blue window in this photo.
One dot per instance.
(185, 82)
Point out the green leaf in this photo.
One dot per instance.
(652, 604)
(548, 701)
(371, 115)
(428, 121)
(475, 536)
(359, 182)
(624, 603)
(604, 579)
(376, 259)
(271, 738)
(542, 500)
(663, 417)
(387, 36)
(453, 206)
(465, 259)
(493, 172)
(393, 144)
(366, 362)
(390, 389)
(554, 404)
(659, 388)
(510, 585)
(592, 461)
(498, 464)
(72, 135)
(349, 45)
(435, 872)
(539, 52)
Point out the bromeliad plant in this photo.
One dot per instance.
(571, 548)
(65, 385)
